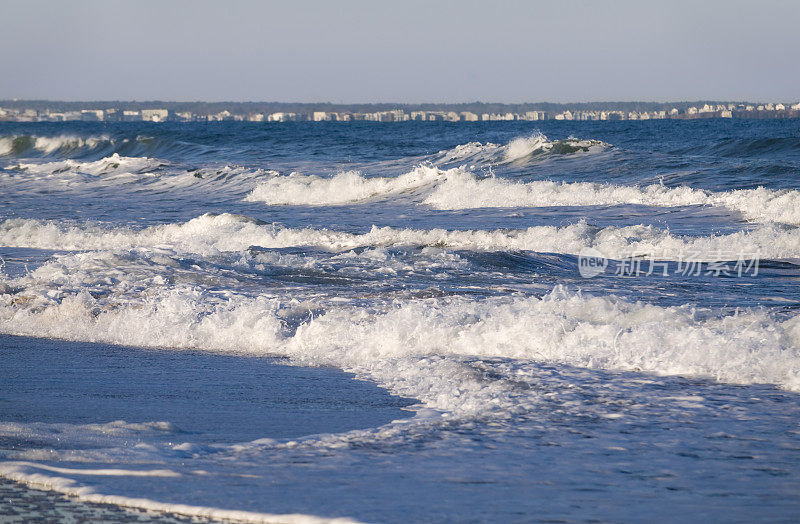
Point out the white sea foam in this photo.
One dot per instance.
(462, 190)
(344, 188)
(44, 477)
(135, 173)
(51, 144)
(209, 234)
(517, 149)
(6, 145)
(109, 165)
(351, 186)
(402, 347)
(434, 350)
(458, 188)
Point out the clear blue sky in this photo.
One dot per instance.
(402, 51)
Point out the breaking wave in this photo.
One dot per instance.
(114, 170)
(209, 234)
(352, 186)
(344, 188)
(108, 165)
(517, 150)
(457, 188)
(417, 348)
(64, 145)
(462, 190)
(72, 146)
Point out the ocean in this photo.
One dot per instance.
(405, 322)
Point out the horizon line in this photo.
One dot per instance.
(18, 100)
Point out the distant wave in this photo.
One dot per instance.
(461, 190)
(517, 150)
(210, 234)
(108, 165)
(458, 188)
(344, 188)
(71, 146)
(399, 347)
(779, 147)
(138, 172)
(64, 145)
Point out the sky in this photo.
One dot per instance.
(410, 51)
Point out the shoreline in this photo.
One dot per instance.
(20, 502)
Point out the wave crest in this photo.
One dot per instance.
(344, 188)
(109, 165)
(402, 347)
(463, 190)
(27, 145)
(458, 188)
(517, 150)
(209, 234)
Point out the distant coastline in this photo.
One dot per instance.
(161, 111)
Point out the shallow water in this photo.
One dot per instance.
(441, 263)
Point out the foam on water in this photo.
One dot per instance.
(409, 347)
(108, 165)
(20, 145)
(463, 190)
(344, 188)
(71, 174)
(510, 370)
(517, 149)
(458, 188)
(117, 172)
(46, 477)
(352, 186)
(209, 234)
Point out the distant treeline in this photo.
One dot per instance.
(273, 107)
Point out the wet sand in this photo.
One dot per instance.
(21, 503)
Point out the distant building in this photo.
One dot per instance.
(185, 116)
(566, 115)
(535, 115)
(92, 115)
(452, 116)
(131, 116)
(112, 115)
(155, 115)
(281, 117)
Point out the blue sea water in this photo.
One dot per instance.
(500, 321)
